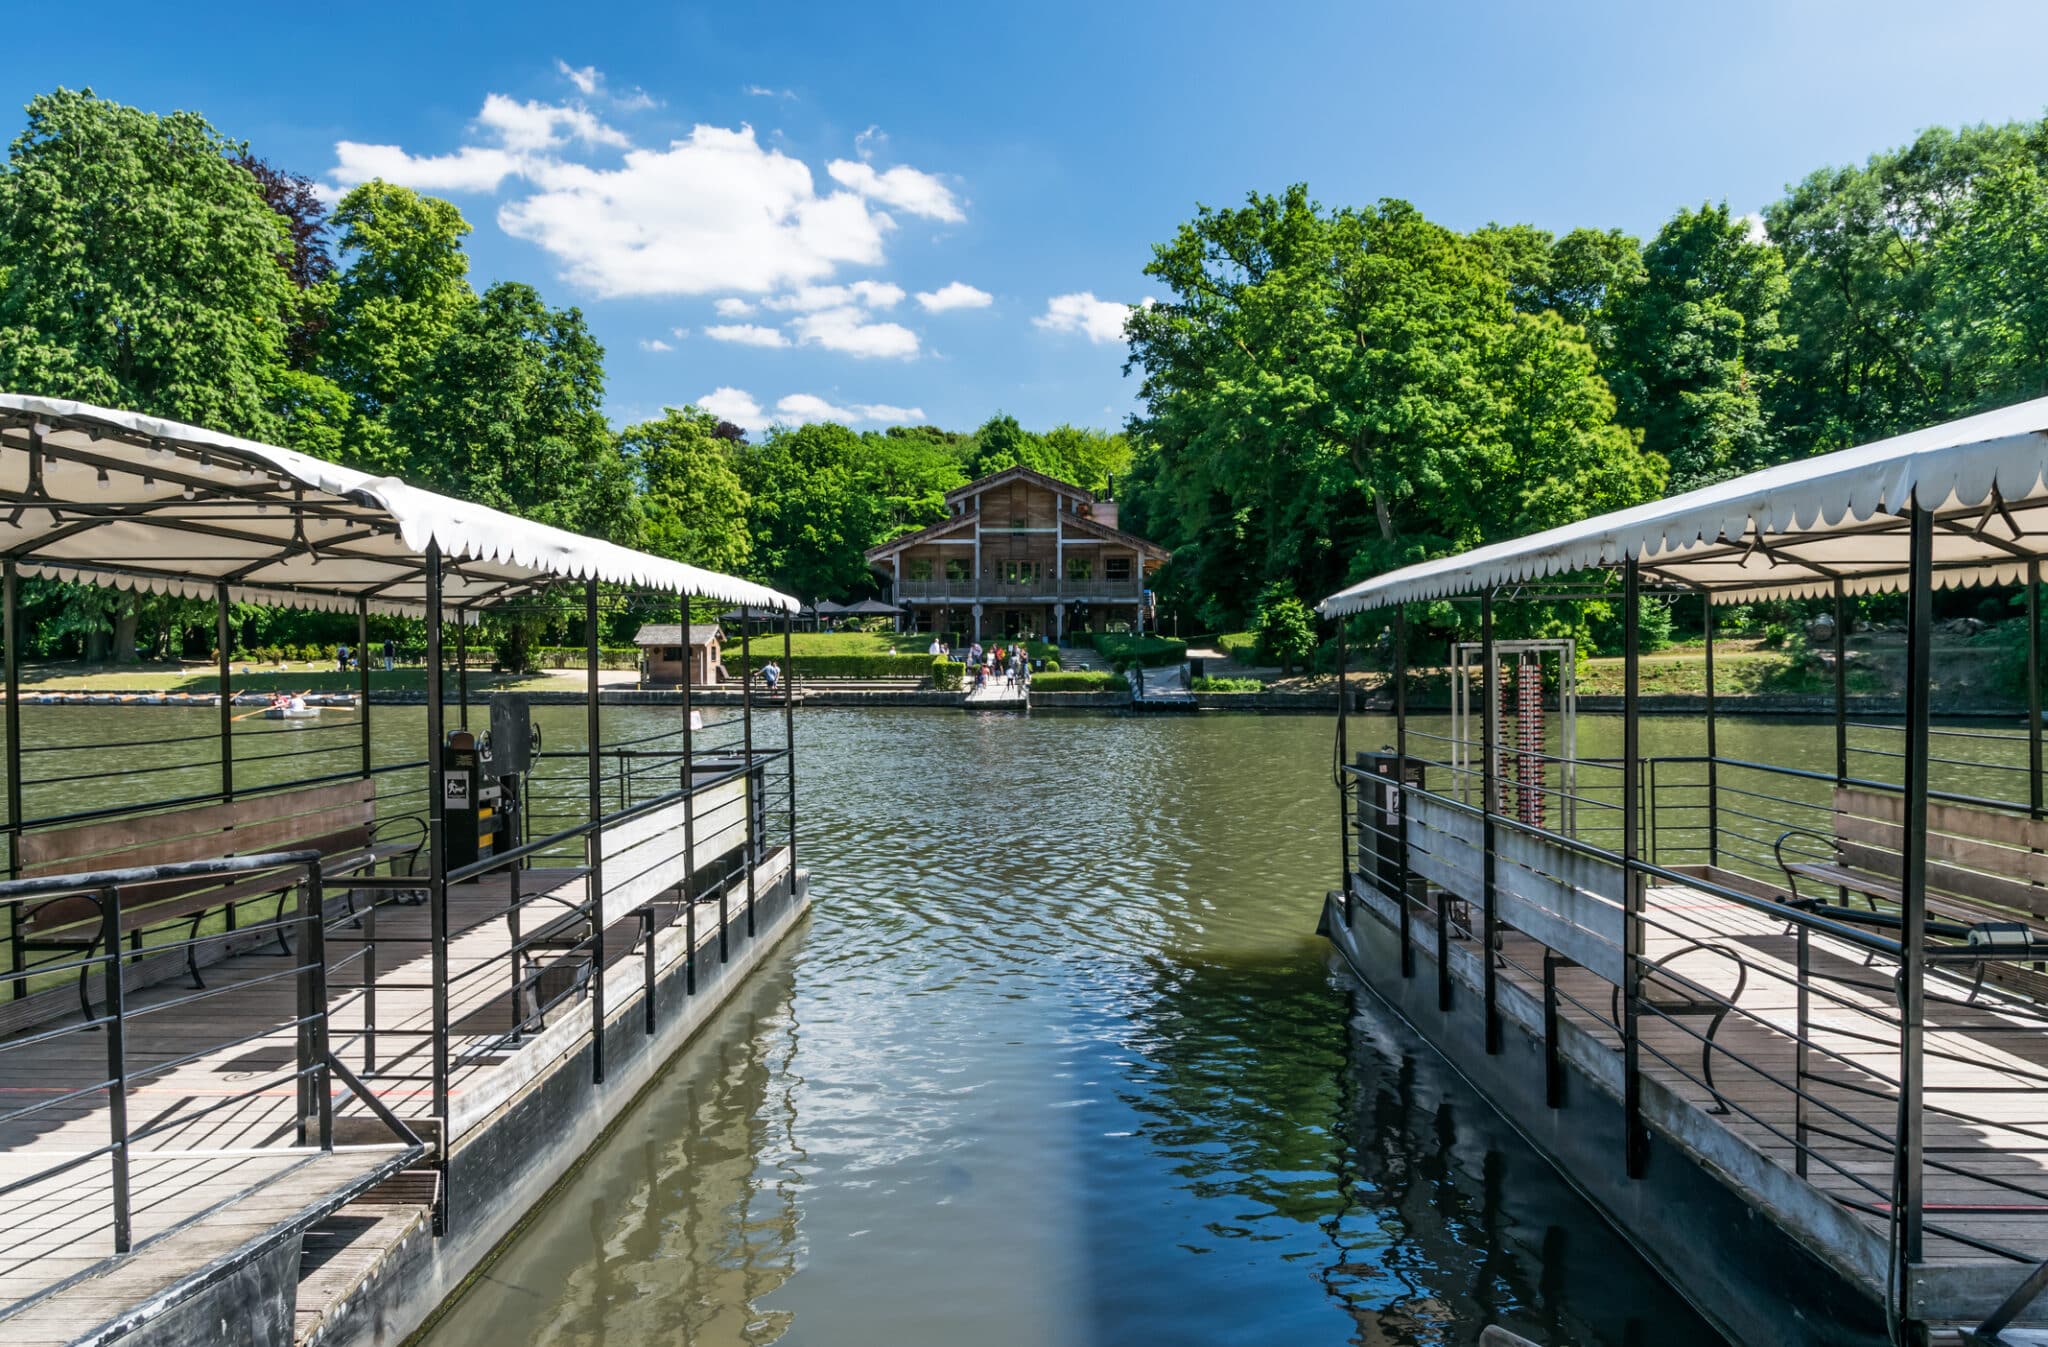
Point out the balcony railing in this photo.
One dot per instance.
(1045, 589)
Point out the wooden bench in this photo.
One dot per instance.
(1987, 877)
(337, 820)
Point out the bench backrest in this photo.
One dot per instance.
(1994, 861)
(330, 818)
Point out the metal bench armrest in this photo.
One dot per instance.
(1778, 852)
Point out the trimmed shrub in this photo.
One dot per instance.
(1239, 646)
(834, 666)
(1152, 652)
(1225, 685)
(576, 656)
(946, 673)
(1079, 680)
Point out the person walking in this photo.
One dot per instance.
(390, 653)
(771, 676)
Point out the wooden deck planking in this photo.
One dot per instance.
(61, 1226)
(1975, 1060)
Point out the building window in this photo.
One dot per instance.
(1080, 568)
(920, 568)
(958, 568)
(1116, 568)
(1020, 572)
(1018, 521)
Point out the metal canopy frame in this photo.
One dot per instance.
(1488, 658)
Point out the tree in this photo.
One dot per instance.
(140, 266)
(403, 292)
(695, 507)
(311, 261)
(1286, 628)
(1695, 342)
(1326, 392)
(508, 413)
(812, 518)
(1991, 269)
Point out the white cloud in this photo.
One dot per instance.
(746, 334)
(874, 294)
(957, 295)
(847, 330)
(739, 407)
(903, 187)
(470, 169)
(1754, 228)
(531, 126)
(713, 212)
(1100, 320)
(734, 405)
(763, 91)
(733, 308)
(810, 407)
(655, 344)
(637, 101)
(679, 332)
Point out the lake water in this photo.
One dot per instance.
(1056, 1059)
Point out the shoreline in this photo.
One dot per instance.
(1268, 703)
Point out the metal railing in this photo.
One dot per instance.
(1842, 1082)
(57, 1054)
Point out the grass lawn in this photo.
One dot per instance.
(257, 678)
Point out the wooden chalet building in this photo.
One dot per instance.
(661, 653)
(1021, 554)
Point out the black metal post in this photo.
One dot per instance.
(1913, 876)
(789, 736)
(1344, 791)
(1841, 686)
(594, 839)
(437, 851)
(689, 815)
(117, 1064)
(10, 634)
(747, 735)
(313, 953)
(462, 667)
(1713, 739)
(1636, 1138)
(227, 709)
(1553, 1060)
(1399, 791)
(1489, 811)
(363, 677)
(2034, 688)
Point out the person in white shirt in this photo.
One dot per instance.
(935, 648)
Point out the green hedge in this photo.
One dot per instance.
(946, 673)
(1226, 685)
(1240, 646)
(835, 666)
(570, 656)
(1151, 651)
(1079, 680)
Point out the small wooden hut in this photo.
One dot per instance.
(661, 652)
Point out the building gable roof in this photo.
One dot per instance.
(671, 633)
(925, 534)
(1014, 472)
(1083, 524)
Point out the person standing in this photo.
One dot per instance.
(771, 676)
(390, 653)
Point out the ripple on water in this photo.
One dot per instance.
(1059, 1060)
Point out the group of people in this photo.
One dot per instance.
(346, 659)
(1012, 663)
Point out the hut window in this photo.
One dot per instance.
(920, 568)
(1116, 568)
(1080, 568)
(957, 568)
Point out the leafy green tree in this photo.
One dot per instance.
(1696, 338)
(812, 520)
(1286, 628)
(1991, 269)
(508, 413)
(140, 266)
(403, 292)
(909, 471)
(695, 507)
(1325, 391)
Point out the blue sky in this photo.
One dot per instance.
(1026, 156)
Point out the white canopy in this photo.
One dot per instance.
(116, 498)
(1794, 530)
